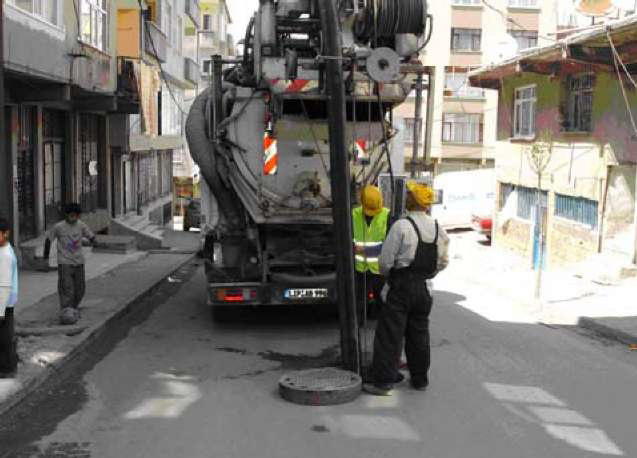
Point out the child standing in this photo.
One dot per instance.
(71, 282)
(8, 298)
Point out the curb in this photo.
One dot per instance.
(88, 337)
(608, 331)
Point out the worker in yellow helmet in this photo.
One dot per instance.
(415, 250)
(369, 224)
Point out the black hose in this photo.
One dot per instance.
(390, 18)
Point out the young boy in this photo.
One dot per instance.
(8, 298)
(71, 284)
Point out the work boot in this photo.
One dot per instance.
(377, 390)
(419, 383)
(69, 316)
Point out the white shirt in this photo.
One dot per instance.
(399, 248)
(6, 266)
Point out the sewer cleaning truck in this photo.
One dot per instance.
(259, 134)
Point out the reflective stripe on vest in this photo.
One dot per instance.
(368, 240)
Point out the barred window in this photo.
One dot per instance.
(466, 39)
(524, 38)
(462, 128)
(579, 103)
(523, 3)
(527, 201)
(577, 209)
(467, 2)
(457, 84)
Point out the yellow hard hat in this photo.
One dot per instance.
(422, 194)
(372, 200)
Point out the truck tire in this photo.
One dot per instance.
(186, 228)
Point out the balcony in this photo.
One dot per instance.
(191, 71)
(193, 11)
(127, 86)
(155, 42)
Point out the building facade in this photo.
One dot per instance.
(151, 44)
(570, 99)
(468, 34)
(62, 93)
(202, 40)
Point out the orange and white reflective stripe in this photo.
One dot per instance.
(360, 149)
(292, 86)
(271, 156)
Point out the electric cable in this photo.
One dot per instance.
(616, 57)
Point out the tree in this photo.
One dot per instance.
(539, 155)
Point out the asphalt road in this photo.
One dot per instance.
(178, 385)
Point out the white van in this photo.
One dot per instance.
(461, 195)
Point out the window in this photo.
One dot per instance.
(167, 24)
(523, 3)
(525, 38)
(462, 128)
(524, 112)
(207, 66)
(180, 35)
(457, 85)
(466, 39)
(409, 131)
(207, 22)
(222, 25)
(527, 202)
(577, 209)
(467, 2)
(94, 23)
(46, 10)
(579, 103)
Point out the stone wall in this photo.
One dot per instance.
(570, 243)
(515, 235)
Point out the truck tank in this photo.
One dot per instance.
(259, 135)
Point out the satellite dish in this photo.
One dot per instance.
(505, 48)
(594, 8)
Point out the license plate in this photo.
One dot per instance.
(306, 293)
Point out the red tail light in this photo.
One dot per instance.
(235, 295)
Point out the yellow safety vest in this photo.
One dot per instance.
(368, 240)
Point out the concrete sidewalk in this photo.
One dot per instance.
(117, 281)
(500, 286)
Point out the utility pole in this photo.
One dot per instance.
(5, 164)
(417, 125)
(340, 178)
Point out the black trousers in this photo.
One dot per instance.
(404, 316)
(8, 351)
(71, 285)
(367, 283)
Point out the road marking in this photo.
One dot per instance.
(524, 394)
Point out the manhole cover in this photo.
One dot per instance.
(320, 387)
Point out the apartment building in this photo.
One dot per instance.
(209, 37)
(151, 45)
(63, 90)
(468, 34)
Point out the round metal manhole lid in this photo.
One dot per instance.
(320, 387)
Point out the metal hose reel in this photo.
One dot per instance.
(383, 65)
(386, 18)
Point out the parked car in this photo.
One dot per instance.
(482, 224)
(192, 214)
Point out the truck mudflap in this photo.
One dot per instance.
(264, 294)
